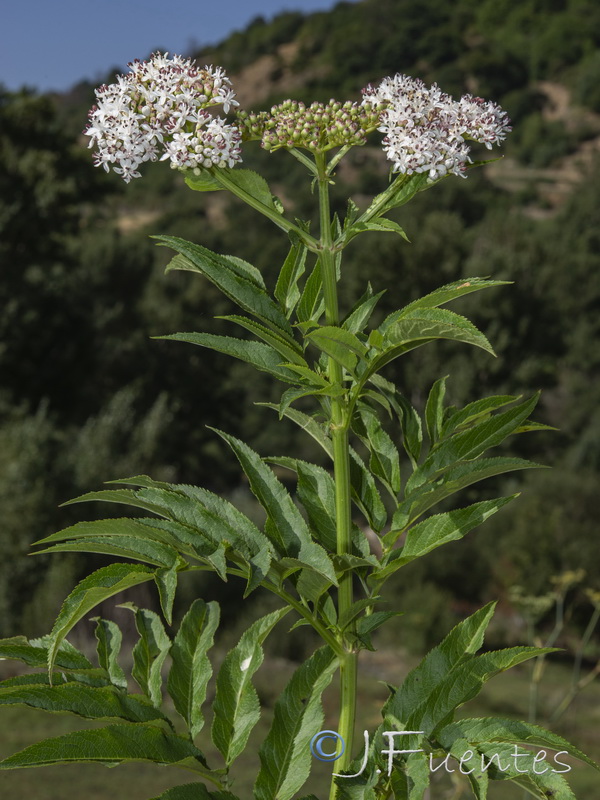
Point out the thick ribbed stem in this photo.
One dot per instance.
(341, 469)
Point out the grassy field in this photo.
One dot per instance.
(506, 695)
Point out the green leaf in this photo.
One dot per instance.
(285, 754)
(415, 775)
(410, 421)
(293, 535)
(236, 708)
(151, 552)
(422, 325)
(471, 443)
(463, 683)
(358, 317)
(318, 390)
(497, 729)
(441, 296)
(384, 458)
(464, 640)
(149, 653)
(438, 530)
(539, 776)
(227, 277)
(379, 224)
(474, 411)
(35, 653)
(397, 194)
(340, 344)
(204, 182)
(286, 289)
(113, 744)
(103, 702)
(166, 583)
(286, 345)
(453, 480)
(316, 492)
(191, 669)
(100, 585)
(194, 791)
(365, 493)
(434, 410)
(109, 638)
(253, 184)
(311, 304)
(261, 356)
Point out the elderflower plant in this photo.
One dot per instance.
(317, 562)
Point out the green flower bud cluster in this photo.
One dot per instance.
(318, 127)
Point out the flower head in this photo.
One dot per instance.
(318, 127)
(426, 130)
(163, 104)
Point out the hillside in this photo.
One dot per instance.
(86, 397)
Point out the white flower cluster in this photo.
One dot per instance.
(162, 103)
(426, 129)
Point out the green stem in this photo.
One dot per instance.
(304, 612)
(220, 175)
(341, 469)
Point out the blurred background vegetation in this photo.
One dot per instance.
(85, 396)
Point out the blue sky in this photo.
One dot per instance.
(51, 44)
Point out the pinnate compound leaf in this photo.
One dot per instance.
(463, 683)
(113, 744)
(109, 639)
(438, 530)
(471, 443)
(191, 669)
(497, 729)
(454, 479)
(285, 754)
(100, 585)
(260, 355)
(102, 702)
(236, 707)
(149, 653)
(474, 411)
(540, 777)
(292, 533)
(464, 640)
